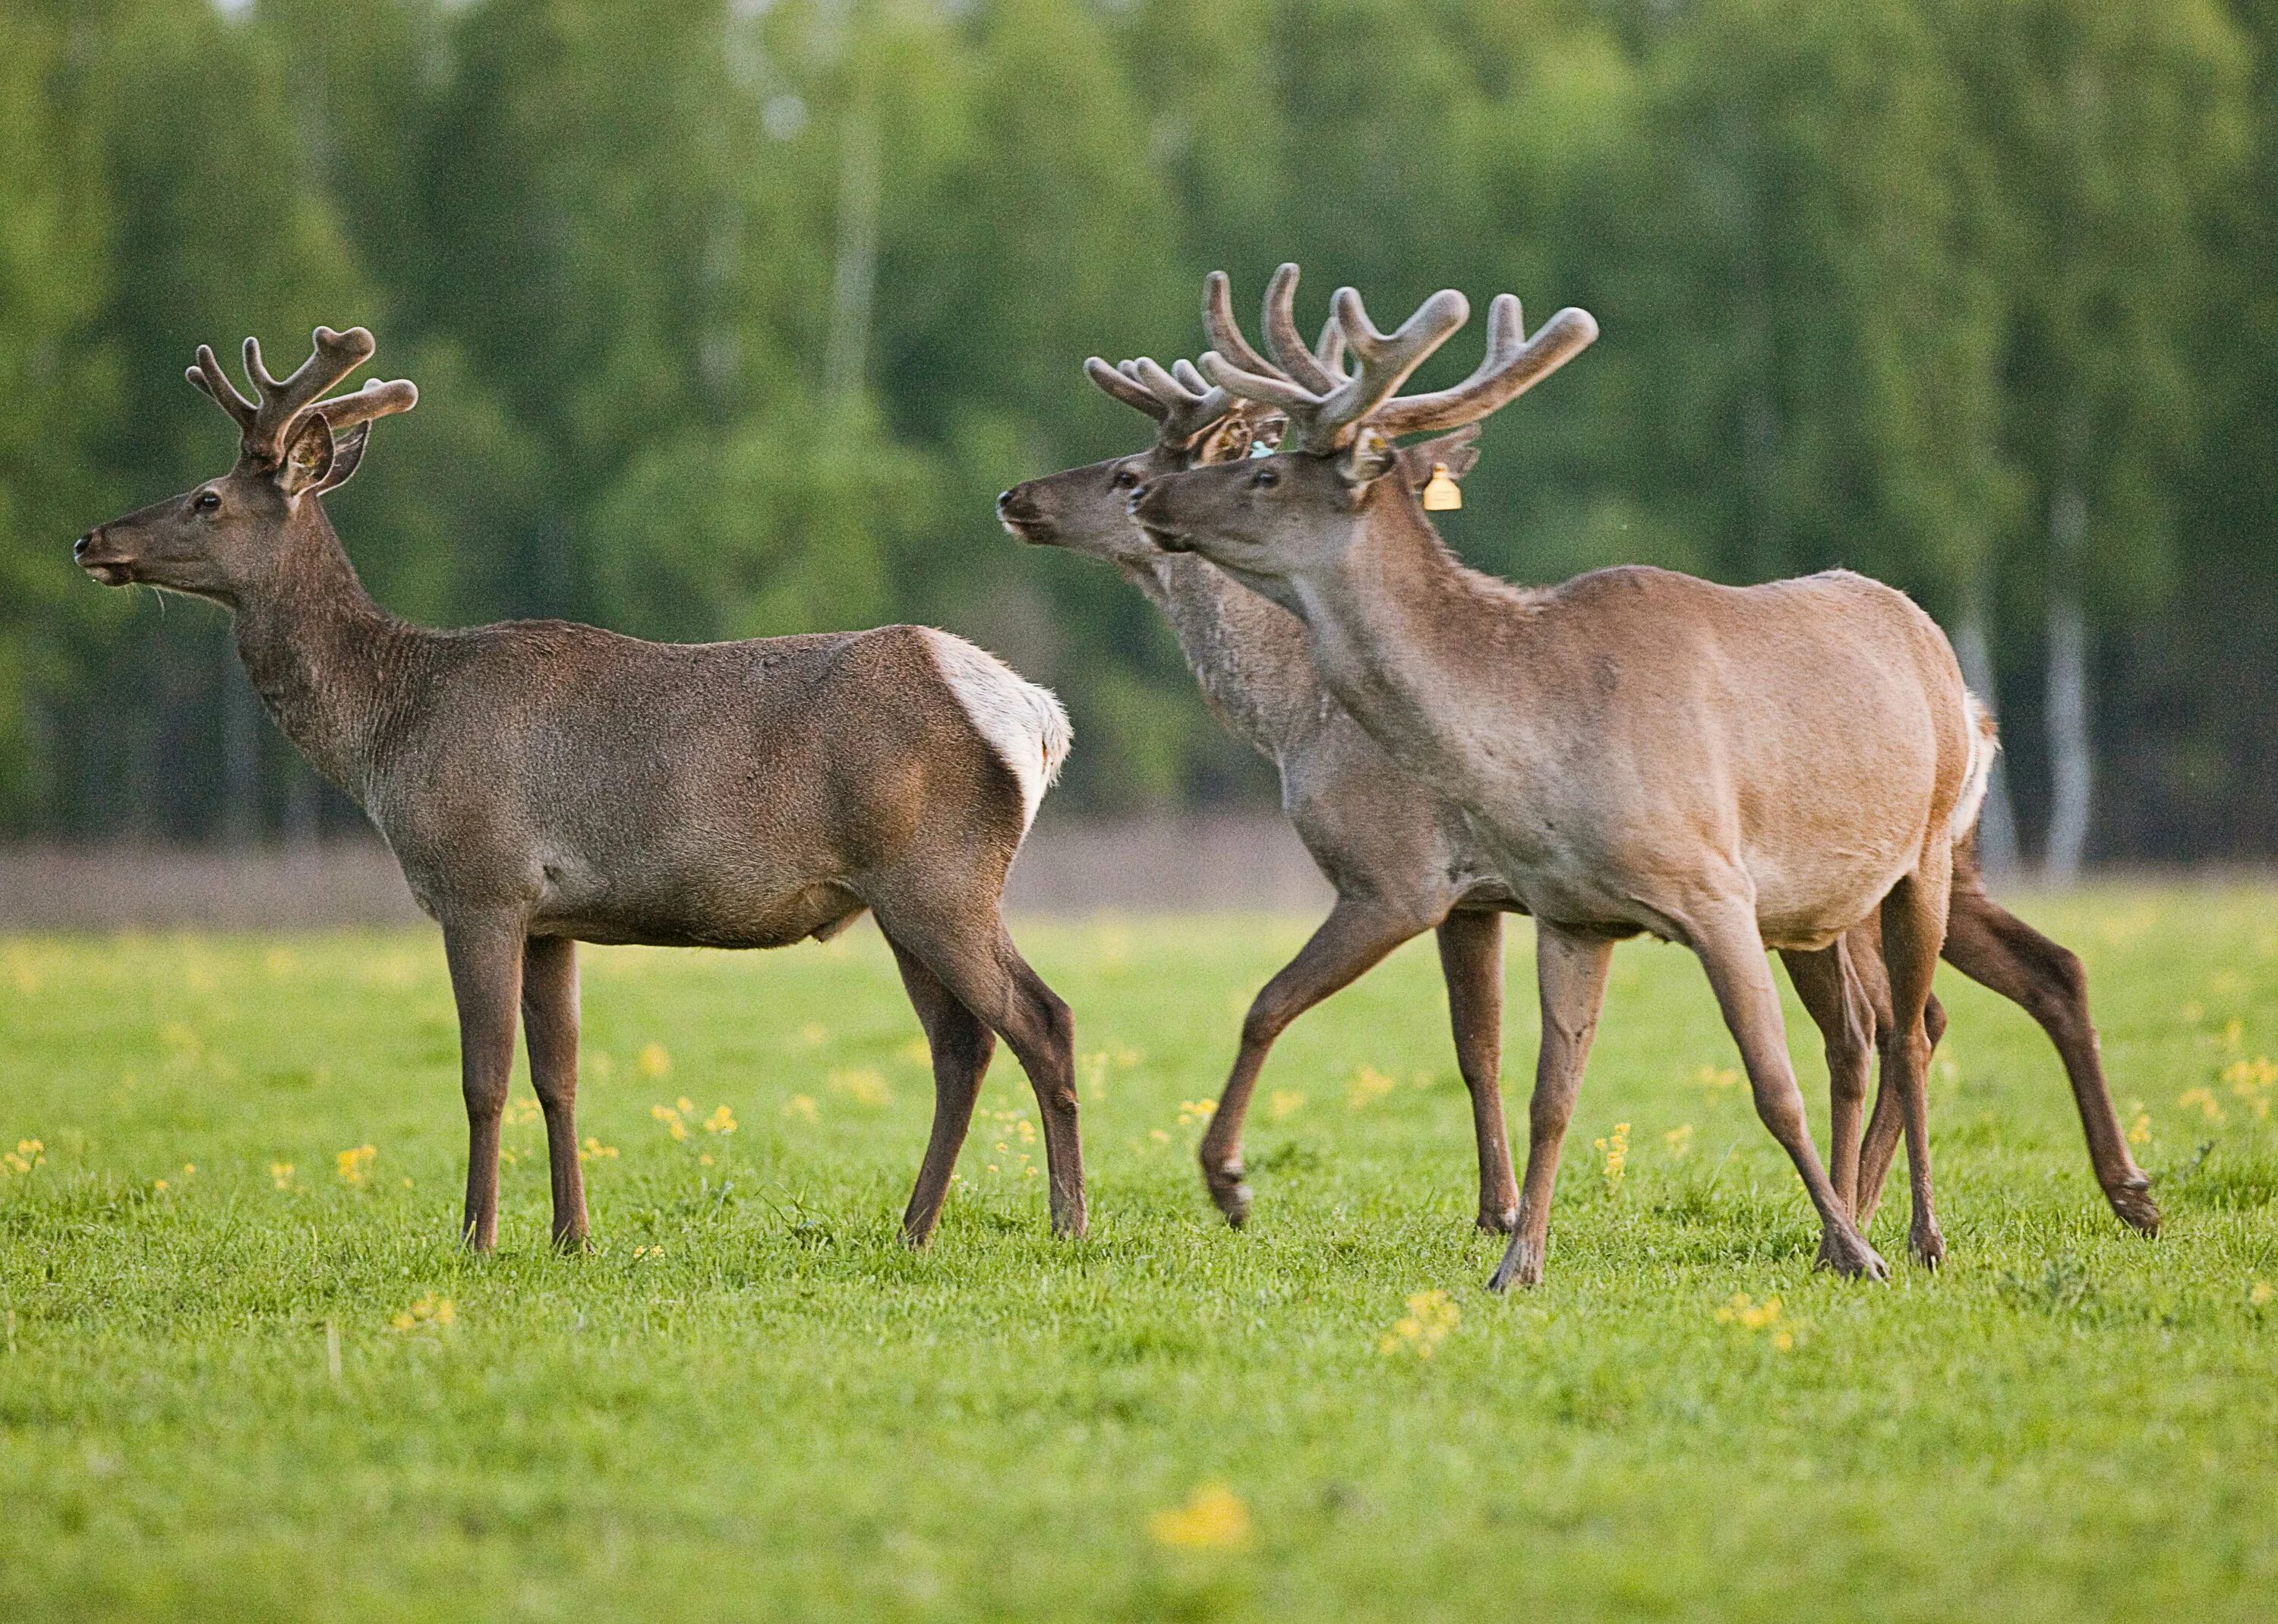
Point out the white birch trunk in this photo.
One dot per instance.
(2071, 753)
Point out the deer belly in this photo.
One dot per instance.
(713, 910)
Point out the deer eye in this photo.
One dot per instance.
(207, 501)
(1264, 479)
(1124, 480)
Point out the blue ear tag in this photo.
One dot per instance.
(1259, 448)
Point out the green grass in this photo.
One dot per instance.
(752, 1401)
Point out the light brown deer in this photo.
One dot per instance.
(544, 783)
(1640, 751)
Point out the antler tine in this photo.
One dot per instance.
(1329, 352)
(209, 377)
(1324, 423)
(1124, 387)
(1510, 369)
(1225, 333)
(344, 412)
(1280, 326)
(1187, 410)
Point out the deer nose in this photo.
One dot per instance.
(79, 547)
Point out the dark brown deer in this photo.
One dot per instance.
(1640, 751)
(544, 783)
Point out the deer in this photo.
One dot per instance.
(1641, 751)
(1391, 856)
(1401, 861)
(543, 784)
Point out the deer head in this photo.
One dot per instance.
(1088, 509)
(1271, 518)
(237, 534)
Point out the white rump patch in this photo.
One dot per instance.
(1985, 744)
(1023, 723)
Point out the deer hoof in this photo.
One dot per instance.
(1228, 1191)
(2133, 1205)
(1851, 1257)
(1927, 1245)
(1521, 1265)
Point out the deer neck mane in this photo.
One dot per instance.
(1248, 654)
(327, 661)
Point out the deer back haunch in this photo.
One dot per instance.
(544, 783)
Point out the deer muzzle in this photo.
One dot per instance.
(103, 558)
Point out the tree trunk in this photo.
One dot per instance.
(855, 275)
(1997, 824)
(2071, 753)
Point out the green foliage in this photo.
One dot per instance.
(264, 1390)
(730, 317)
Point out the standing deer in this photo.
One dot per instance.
(1638, 751)
(544, 783)
(1394, 851)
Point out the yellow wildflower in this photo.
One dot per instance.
(1616, 1152)
(1369, 1085)
(280, 1174)
(1192, 1111)
(1716, 1079)
(801, 1106)
(654, 1061)
(2139, 1128)
(594, 1150)
(675, 1124)
(1430, 1317)
(1285, 1102)
(430, 1313)
(354, 1166)
(2261, 1294)
(865, 1088)
(1751, 1315)
(1679, 1140)
(721, 1121)
(1212, 1518)
(29, 1154)
(2205, 1100)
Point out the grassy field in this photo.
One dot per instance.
(245, 1372)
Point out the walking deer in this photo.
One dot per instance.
(544, 783)
(1401, 860)
(1638, 751)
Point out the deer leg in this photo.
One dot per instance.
(1733, 950)
(961, 1048)
(1832, 993)
(1352, 941)
(1569, 972)
(484, 955)
(1914, 927)
(1470, 958)
(1994, 947)
(549, 1026)
(969, 951)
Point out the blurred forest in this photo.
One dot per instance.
(731, 318)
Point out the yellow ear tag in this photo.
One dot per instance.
(1441, 494)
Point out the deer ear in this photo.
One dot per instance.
(308, 457)
(1457, 453)
(1227, 440)
(1368, 458)
(347, 451)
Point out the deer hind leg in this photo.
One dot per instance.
(1470, 958)
(1914, 930)
(969, 951)
(1829, 984)
(961, 1046)
(549, 1025)
(1994, 947)
(1570, 979)
(1351, 942)
(484, 952)
(1733, 950)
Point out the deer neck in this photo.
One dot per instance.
(326, 661)
(1248, 654)
(1434, 659)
